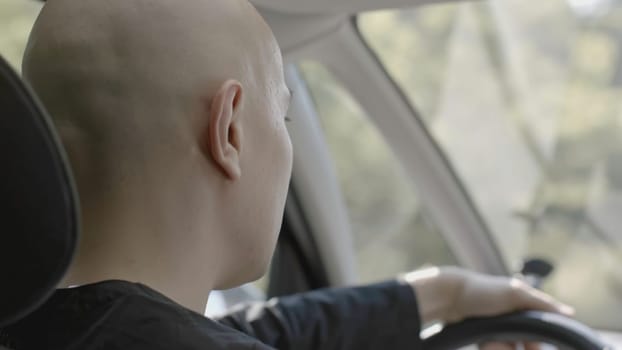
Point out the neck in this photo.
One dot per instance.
(150, 249)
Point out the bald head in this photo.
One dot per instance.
(108, 68)
(171, 113)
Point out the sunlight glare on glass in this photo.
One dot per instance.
(590, 7)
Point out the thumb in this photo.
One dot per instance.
(527, 297)
(497, 346)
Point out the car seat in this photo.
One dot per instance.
(39, 219)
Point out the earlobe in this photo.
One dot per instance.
(225, 136)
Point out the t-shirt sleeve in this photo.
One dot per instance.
(383, 315)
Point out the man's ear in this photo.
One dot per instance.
(224, 140)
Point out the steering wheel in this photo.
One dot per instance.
(563, 332)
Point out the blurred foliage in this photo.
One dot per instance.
(525, 101)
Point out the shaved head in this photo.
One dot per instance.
(171, 113)
(107, 69)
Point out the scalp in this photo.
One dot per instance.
(122, 78)
(124, 47)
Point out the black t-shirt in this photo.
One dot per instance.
(123, 315)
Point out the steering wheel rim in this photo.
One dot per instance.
(563, 332)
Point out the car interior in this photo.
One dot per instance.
(484, 134)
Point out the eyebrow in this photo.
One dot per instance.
(289, 99)
(291, 95)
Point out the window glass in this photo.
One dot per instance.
(16, 20)
(391, 231)
(525, 102)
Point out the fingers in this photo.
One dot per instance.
(532, 346)
(497, 346)
(527, 297)
(509, 346)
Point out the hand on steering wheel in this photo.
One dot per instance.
(452, 294)
(482, 308)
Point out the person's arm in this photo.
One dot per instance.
(385, 315)
(377, 316)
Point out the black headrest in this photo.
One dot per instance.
(38, 202)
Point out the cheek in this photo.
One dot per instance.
(266, 172)
(287, 155)
(282, 172)
(281, 159)
(278, 172)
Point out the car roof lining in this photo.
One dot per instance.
(338, 7)
(298, 23)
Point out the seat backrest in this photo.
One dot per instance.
(38, 202)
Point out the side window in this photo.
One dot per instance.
(391, 231)
(16, 20)
(525, 103)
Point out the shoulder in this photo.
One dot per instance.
(143, 322)
(120, 315)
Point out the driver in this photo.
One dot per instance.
(172, 113)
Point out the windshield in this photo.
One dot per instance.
(526, 103)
